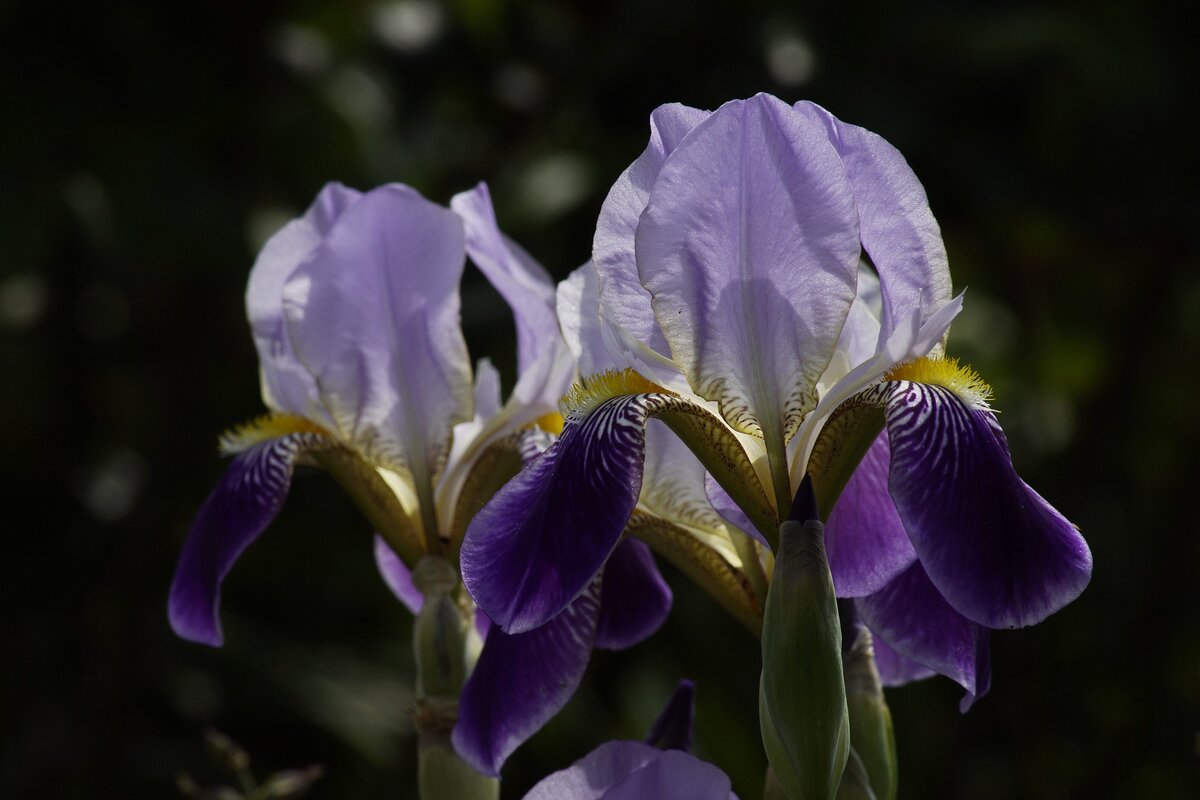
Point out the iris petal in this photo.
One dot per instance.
(634, 598)
(913, 618)
(635, 771)
(895, 669)
(864, 537)
(998, 552)
(397, 577)
(246, 499)
(521, 681)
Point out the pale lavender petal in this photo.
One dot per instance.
(749, 247)
(521, 281)
(729, 511)
(540, 539)
(635, 771)
(521, 681)
(673, 728)
(246, 499)
(373, 314)
(634, 597)
(286, 383)
(899, 231)
(895, 669)
(864, 537)
(998, 552)
(623, 299)
(397, 576)
(578, 305)
(918, 624)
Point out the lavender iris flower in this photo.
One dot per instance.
(354, 309)
(758, 270)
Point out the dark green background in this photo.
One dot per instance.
(147, 147)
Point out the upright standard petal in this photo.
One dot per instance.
(749, 248)
(898, 230)
(634, 598)
(913, 618)
(1000, 554)
(635, 771)
(373, 314)
(521, 681)
(246, 499)
(521, 281)
(623, 299)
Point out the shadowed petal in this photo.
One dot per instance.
(246, 499)
(729, 511)
(918, 624)
(898, 229)
(895, 669)
(634, 598)
(673, 728)
(635, 771)
(374, 315)
(749, 247)
(864, 537)
(520, 280)
(397, 576)
(623, 299)
(521, 681)
(998, 552)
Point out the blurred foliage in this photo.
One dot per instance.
(149, 148)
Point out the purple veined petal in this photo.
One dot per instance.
(749, 247)
(729, 511)
(286, 383)
(622, 297)
(521, 281)
(673, 728)
(864, 537)
(899, 231)
(634, 597)
(895, 669)
(242, 505)
(915, 621)
(1000, 554)
(397, 576)
(373, 313)
(542, 538)
(622, 770)
(521, 681)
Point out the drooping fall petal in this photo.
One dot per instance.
(635, 771)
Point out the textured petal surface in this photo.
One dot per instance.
(246, 499)
(521, 681)
(998, 552)
(864, 537)
(542, 537)
(749, 248)
(521, 281)
(917, 623)
(635, 771)
(634, 598)
(624, 300)
(397, 576)
(899, 232)
(373, 314)
(286, 383)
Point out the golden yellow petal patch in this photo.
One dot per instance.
(260, 429)
(550, 423)
(949, 374)
(589, 392)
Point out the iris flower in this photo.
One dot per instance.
(760, 272)
(354, 309)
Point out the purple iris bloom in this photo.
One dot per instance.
(354, 309)
(757, 269)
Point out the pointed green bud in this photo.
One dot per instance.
(802, 697)
(441, 631)
(870, 719)
(856, 785)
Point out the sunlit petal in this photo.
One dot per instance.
(635, 771)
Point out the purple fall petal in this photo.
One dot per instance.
(397, 576)
(542, 538)
(521, 681)
(729, 511)
(998, 552)
(918, 624)
(898, 229)
(634, 598)
(246, 499)
(635, 771)
(864, 537)
(895, 669)
(673, 728)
